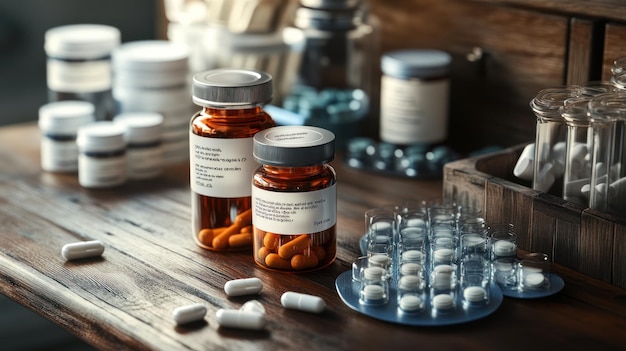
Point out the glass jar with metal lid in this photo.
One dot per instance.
(294, 199)
(221, 162)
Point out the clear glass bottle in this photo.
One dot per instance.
(332, 88)
(607, 191)
(294, 199)
(221, 162)
(550, 138)
(79, 64)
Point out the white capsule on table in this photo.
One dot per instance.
(254, 306)
(303, 302)
(240, 319)
(244, 286)
(189, 313)
(82, 249)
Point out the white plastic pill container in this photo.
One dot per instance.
(414, 96)
(58, 123)
(153, 76)
(79, 64)
(144, 150)
(101, 155)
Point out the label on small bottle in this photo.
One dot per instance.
(294, 213)
(59, 156)
(78, 77)
(413, 111)
(221, 167)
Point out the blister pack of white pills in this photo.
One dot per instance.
(439, 265)
(420, 268)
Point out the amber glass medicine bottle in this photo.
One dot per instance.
(221, 162)
(294, 199)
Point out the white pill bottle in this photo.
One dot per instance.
(58, 123)
(101, 155)
(78, 65)
(414, 96)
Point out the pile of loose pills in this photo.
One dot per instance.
(414, 161)
(251, 315)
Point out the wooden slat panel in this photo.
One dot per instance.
(579, 51)
(507, 204)
(619, 264)
(596, 246)
(462, 185)
(608, 9)
(614, 39)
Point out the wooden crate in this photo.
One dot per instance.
(588, 241)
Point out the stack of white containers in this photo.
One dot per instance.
(153, 76)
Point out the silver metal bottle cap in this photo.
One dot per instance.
(294, 146)
(232, 88)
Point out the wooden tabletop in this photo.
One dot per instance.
(151, 265)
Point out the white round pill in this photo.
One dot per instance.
(443, 302)
(474, 294)
(410, 303)
(504, 248)
(240, 319)
(82, 249)
(373, 273)
(379, 260)
(373, 292)
(534, 280)
(410, 268)
(189, 313)
(303, 302)
(443, 255)
(245, 286)
(409, 282)
(412, 256)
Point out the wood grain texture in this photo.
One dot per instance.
(614, 39)
(524, 52)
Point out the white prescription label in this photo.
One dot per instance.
(221, 167)
(79, 77)
(413, 111)
(294, 213)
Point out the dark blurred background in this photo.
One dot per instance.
(23, 24)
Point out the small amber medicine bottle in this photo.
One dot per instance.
(220, 150)
(294, 199)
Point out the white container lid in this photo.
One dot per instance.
(151, 63)
(101, 136)
(157, 99)
(420, 63)
(64, 117)
(81, 41)
(141, 127)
